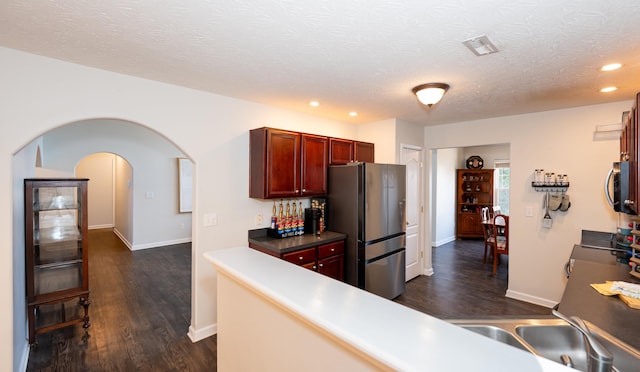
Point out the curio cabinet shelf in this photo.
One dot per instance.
(56, 247)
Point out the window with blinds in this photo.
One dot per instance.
(501, 181)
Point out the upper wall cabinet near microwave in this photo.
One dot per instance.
(285, 164)
(629, 151)
(343, 151)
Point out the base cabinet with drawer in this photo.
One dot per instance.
(327, 259)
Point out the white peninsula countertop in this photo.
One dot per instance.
(276, 316)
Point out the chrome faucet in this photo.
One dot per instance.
(599, 358)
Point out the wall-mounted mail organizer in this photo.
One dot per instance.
(550, 188)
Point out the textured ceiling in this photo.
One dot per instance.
(350, 55)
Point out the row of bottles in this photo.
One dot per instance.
(289, 221)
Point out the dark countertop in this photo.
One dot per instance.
(606, 312)
(279, 246)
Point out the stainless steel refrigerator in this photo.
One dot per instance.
(366, 201)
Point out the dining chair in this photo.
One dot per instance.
(495, 210)
(501, 244)
(487, 229)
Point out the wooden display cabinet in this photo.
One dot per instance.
(56, 246)
(474, 191)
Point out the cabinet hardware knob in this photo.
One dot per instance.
(333, 249)
(321, 265)
(300, 258)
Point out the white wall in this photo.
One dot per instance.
(489, 154)
(212, 130)
(157, 221)
(383, 134)
(99, 168)
(124, 201)
(562, 141)
(444, 221)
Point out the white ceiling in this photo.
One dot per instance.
(351, 55)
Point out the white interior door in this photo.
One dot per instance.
(412, 159)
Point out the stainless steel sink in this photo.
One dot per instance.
(553, 339)
(498, 334)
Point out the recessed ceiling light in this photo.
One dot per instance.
(353, 113)
(314, 103)
(608, 89)
(611, 67)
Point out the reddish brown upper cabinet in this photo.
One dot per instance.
(629, 151)
(285, 164)
(343, 151)
(363, 152)
(340, 151)
(314, 156)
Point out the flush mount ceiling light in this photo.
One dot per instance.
(430, 93)
(480, 45)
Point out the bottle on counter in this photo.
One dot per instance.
(300, 218)
(274, 219)
(287, 221)
(280, 223)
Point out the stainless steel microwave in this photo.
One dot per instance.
(621, 201)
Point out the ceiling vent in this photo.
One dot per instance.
(481, 45)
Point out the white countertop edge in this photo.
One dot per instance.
(375, 326)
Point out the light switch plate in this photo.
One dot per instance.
(528, 211)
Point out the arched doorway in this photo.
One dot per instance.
(57, 152)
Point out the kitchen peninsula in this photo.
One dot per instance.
(273, 316)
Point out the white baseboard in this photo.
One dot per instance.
(119, 235)
(443, 241)
(201, 334)
(150, 245)
(105, 226)
(160, 244)
(530, 299)
(428, 272)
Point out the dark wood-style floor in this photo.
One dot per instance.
(140, 310)
(140, 314)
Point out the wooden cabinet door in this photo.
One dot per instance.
(283, 163)
(363, 152)
(332, 267)
(634, 156)
(340, 151)
(469, 225)
(314, 157)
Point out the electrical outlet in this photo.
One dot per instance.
(259, 219)
(547, 222)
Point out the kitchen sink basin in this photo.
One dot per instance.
(553, 339)
(498, 334)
